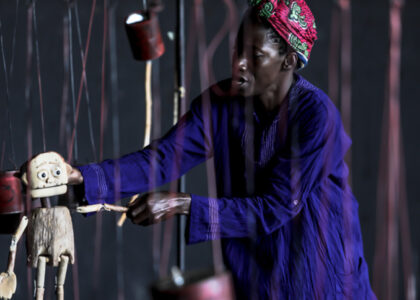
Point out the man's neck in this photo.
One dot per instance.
(275, 94)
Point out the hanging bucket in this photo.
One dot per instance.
(144, 35)
(204, 285)
(11, 204)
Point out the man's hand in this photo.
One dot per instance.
(154, 207)
(74, 175)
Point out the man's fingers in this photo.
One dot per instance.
(138, 210)
(142, 218)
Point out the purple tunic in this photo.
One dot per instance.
(284, 211)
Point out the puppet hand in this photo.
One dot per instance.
(155, 207)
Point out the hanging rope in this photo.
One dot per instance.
(391, 203)
(65, 91)
(116, 142)
(211, 181)
(98, 226)
(339, 76)
(28, 106)
(346, 53)
(82, 79)
(9, 120)
(86, 89)
(333, 56)
(14, 41)
(229, 23)
(38, 71)
(3, 150)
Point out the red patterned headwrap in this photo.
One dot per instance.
(293, 21)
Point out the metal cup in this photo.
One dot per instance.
(144, 35)
(11, 204)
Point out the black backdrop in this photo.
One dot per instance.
(370, 54)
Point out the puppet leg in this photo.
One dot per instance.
(40, 278)
(61, 276)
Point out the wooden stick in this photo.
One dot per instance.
(99, 207)
(124, 215)
(13, 244)
(148, 87)
(61, 277)
(8, 281)
(40, 278)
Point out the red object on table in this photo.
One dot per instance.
(11, 204)
(144, 35)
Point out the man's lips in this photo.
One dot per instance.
(242, 81)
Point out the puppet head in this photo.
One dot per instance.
(47, 174)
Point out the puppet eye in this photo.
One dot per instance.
(57, 172)
(42, 175)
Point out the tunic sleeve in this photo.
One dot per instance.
(315, 145)
(164, 160)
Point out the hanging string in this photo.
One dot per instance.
(82, 79)
(38, 70)
(333, 55)
(346, 53)
(9, 119)
(116, 142)
(103, 96)
(65, 92)
(28, 106)
(211, 183)
(391, 202)
(191, 51)
(14, 41)
(226, 28)
(67, 53)
(98, 227)
(156, 129)
(406, 245)
(3, 151)
(72, 84)
(89, 110)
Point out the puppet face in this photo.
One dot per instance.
(48, 175)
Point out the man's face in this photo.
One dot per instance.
(257, 61)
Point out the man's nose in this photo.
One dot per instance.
(243, 64)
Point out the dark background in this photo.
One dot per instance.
(370, 55)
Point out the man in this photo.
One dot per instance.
(284, 212)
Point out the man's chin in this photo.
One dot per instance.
(243, 90)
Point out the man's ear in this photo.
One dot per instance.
(290, 61)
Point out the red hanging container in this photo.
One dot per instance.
(204, 285)
(143, 32)
(11, 204)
